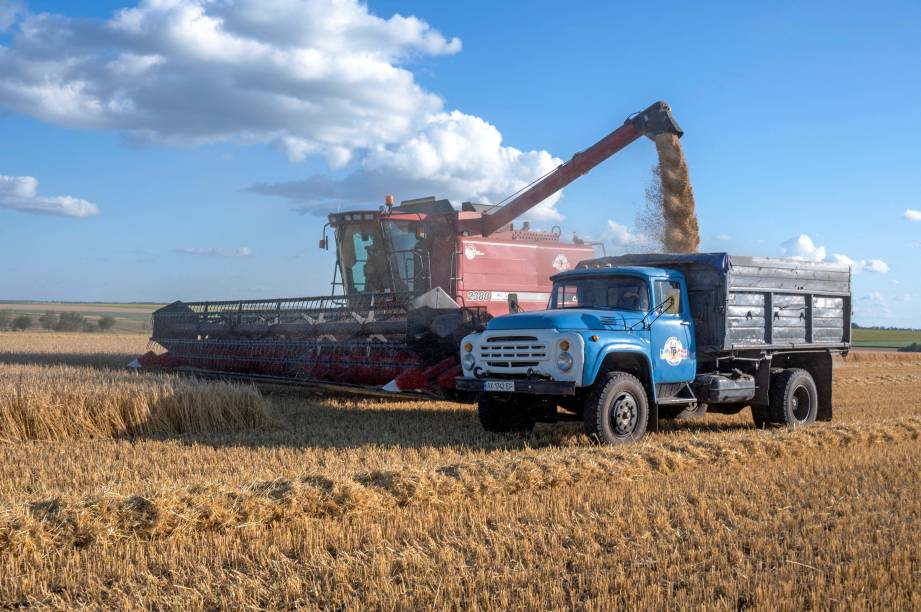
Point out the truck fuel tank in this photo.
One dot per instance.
(724, 388)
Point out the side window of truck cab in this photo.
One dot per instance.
(566, 296)
(666, 289)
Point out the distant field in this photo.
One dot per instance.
(135, 318)
(129, 318)
(885, 338)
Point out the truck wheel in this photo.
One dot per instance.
(500, 415)
(794, 400)
(617, 410)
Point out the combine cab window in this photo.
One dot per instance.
(377, 257)
(360, 244)
(363, 257)
(613, 292)
(406, 255)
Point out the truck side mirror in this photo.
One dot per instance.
(323, 243)
(513, 303)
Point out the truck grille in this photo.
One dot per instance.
(513, 351)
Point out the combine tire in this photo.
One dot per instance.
(794, 400)
(501, 415)
(617, 410)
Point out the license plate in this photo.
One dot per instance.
(499, 385)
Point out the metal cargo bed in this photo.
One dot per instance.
(741, 303)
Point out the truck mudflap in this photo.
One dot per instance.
(498, 385)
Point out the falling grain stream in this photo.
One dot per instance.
(680, 233)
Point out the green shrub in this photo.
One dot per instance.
(70, 321)
(21, 323)
(48, 320)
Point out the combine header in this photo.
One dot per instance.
(410, 281)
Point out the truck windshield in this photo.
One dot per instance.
(610, 292)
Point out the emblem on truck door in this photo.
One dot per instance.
(673, 352)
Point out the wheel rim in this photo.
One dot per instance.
(624, 415)
(801, 403)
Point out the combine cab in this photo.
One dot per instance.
(410, 281)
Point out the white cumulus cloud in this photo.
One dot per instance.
(804, 248)
(311, 77)
(623, 237)
(215, 252)
(911, 214)
(454, 155)
(875, 265)
(21, 193)
(307, 74)
(9, 12)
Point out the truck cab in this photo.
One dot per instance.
(634, 319)
(618, 346)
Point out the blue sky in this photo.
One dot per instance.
(801, 120)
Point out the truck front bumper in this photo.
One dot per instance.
(531, 386)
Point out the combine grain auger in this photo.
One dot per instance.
(410, 281)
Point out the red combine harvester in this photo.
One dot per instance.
(410, 281)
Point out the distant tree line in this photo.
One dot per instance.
(52, 321)
(886, 327)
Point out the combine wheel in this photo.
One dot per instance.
(794, 400)
(500, 414)
(617, 410)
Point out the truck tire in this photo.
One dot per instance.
(500, 415)
(617, 409)
(794, 400)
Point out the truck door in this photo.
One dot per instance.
(672, 336)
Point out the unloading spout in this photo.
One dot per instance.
(656, 119)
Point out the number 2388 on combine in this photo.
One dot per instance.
(631, 339)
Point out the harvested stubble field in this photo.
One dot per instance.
(316, 502)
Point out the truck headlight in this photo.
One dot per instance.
(469, 361)
(564, 361)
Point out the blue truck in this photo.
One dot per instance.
(628, 340)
